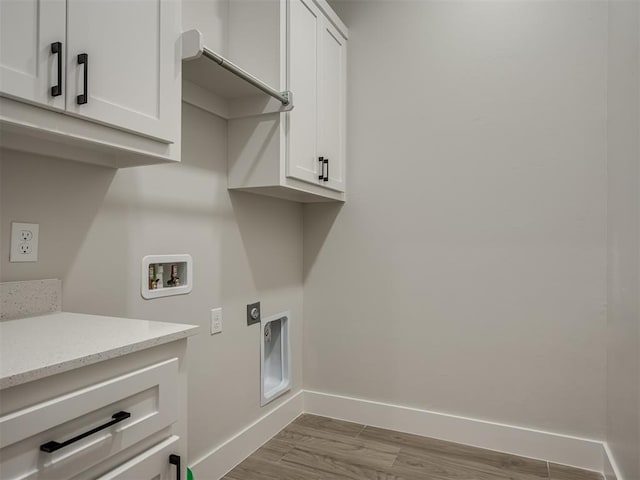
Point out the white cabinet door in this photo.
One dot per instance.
(304, 24)
(28, 67)
(317, 78)
(153, 464)
(331, 103)
(132, 67)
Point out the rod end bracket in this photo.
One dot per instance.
(286, 107)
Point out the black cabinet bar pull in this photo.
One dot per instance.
(52, 446)
(326, 170)
(175, 460)
(56, 48)
(321, 176)
(83, 59)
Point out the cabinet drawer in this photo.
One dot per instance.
(153, 464)
(149, 395)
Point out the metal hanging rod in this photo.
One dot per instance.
(228, 83)
(283, 97)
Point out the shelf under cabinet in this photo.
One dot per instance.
(216, 84)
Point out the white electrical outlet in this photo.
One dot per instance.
(216, 321)
(24, 242)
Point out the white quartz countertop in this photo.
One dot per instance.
(36, 347)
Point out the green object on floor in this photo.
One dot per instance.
(189, 474)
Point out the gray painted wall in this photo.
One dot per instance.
(623, 353)
(96, 224)
(467, 271)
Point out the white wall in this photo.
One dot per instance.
(467, 271)
(623, 354)
(96, 224)
(465, 274)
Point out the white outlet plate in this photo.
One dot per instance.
(216, 320)
(24, 242)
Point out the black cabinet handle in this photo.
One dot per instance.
(326, 170)
(321, 176)
(175, 460)
(56, 48)
(83, 59)
(52, 446)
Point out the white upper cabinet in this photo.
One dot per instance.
(129, 71)
(32, 48)
(92, 80)
(317, 75)
(300, 154)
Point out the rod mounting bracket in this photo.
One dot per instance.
(288, 94)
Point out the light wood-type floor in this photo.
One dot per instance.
(318, 448)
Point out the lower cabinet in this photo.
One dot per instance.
(118, 419)
(157, 463)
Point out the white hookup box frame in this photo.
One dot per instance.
(184, 264)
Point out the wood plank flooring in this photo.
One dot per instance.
(318, 448)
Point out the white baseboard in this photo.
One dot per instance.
(567, 450)
(553, 447)
(226, 456)
(611, 470)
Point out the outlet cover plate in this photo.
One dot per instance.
(24, 242)
(216, 320)
(251, 317)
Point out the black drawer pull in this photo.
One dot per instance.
(52, 446)
(56, 48)
(175, 460)
(83, 59)
(321, 176)
(326, 170)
